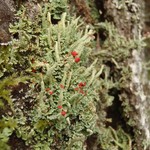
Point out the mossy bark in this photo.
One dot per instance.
(125, 17)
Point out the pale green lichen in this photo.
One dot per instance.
(42, 51)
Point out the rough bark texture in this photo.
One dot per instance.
(6, 16)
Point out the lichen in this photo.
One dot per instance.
(59, 99)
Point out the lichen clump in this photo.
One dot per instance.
(63, 86)
(62, 90)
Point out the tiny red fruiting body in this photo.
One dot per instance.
(59, 107)
(62, 86)
(76, 89)
(63, 113)
(51, 92)
(81, 84)
(74, 53)
(77, 59)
